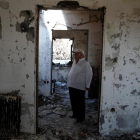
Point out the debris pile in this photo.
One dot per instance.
(54, 122)
(136, 136)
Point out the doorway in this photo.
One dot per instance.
(84, 29)
(61, 63)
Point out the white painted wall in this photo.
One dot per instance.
(45, 43)
(120, 79)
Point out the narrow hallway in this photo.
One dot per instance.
(53, 116)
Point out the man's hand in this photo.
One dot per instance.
(87, 88)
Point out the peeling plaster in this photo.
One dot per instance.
(120, 77)
(4, 5)
(115, 36)
(14, 92)
(116, 46)
(0, 29)
(132, 61)
(124, 63)
(102, 120)
(23, 86)
(110, 62)
(119, 85)
(123, 107)
(137, 48)
(125, 121)
(18, 28)
(25, 25)
(135, 93)
(137, 80)
(28, 14)
(27, 76)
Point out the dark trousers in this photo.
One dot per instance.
(77, 98)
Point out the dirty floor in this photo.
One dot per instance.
(54, 122)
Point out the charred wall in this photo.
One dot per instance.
(119, 110)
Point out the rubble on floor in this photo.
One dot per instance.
(54, 122)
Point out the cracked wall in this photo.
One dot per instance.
(120, 92)
(121, 65)
(17, 58)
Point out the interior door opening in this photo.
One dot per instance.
(61, 64)
(60, 31)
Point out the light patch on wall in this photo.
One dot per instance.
(25, 108)
(0, 29)
(95, 5)
(111, 33)
(4, 5)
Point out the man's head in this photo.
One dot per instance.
(78, 54)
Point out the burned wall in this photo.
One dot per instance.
(120, 83)
(17, 58)
(119, 110)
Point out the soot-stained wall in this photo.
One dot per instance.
(120, 88)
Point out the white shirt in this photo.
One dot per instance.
(80, 75)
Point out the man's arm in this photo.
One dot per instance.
(88, 76)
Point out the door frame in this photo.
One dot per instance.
(38, 8)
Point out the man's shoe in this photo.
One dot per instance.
(72, 116)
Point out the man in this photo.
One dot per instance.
(79, 79)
